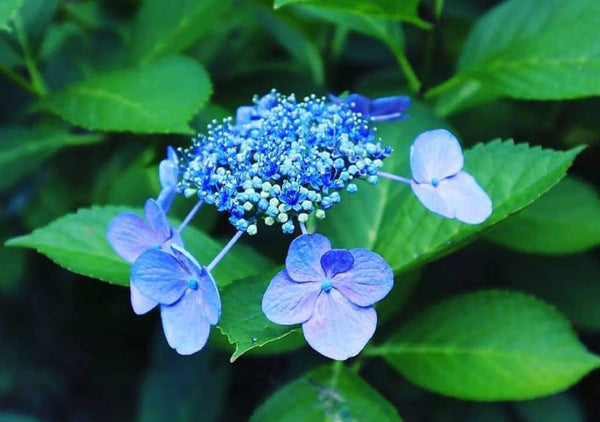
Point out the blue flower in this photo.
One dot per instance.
(330, 292)
(168, 171)
(130, 236)
(436, 163)
(187, 294)
(379, 109)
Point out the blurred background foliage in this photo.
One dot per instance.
(72, 350)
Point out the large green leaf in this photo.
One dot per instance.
(242, 319)
(565, 220)
(389, 219)
(326, 394)
(490, 345)
(404, 10)
(530, 49)
(8, 8)
(78, 243)
(161, 29)
(159, 97)
(23, 150)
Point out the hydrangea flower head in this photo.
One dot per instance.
(282, 158)
(330, 292)
(130, 236)
(436, 163)
(187, 294)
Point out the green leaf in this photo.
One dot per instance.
(8, 8)
(405, 10)
(512, 175)
(489, 345)
(570, 283)
(179, 388)
(529, 49)
(326, 394)
(159, 30)
(160, 97)
(23, 150)
(242, 319)
(78, 243)
(564, 220)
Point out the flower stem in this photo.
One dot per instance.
(224, 251)
(189, 217)
(303, 228)
(393, 177)
(37, 82)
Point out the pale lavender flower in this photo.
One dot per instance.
(168, 172)
(380, 109)
(330, 292)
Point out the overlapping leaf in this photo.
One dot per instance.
(491, 345)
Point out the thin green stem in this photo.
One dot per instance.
(413, 81)
(336, 368)
(443, 87)
(37, 82)
(339, 39)
(17, 79)
(439, 6)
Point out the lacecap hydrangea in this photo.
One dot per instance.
(278, 162)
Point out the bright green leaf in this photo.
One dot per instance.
(564, 220)
(405, 10)
(23, 150)
(160, 97)
(78, 243)
(8, 8)
(162, 29)
(242, 319)
(529, 49)
(490, 345)
(326, 394)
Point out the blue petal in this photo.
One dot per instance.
(165, 198)
(158, 220)
(338, 328)
(130, 236)
(244, 115)
(435, 154)
(288, 302)
(206, 284)
(159, 276)
(359, 104)
(431, 198)
(303, 261)
(369, 280)
(336, 261)
(470, 202)
(389, 108)
(168, 170)
(140, 303)
(185, 324)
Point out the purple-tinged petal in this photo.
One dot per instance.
(389, 108)
(130, 236)
(244, 115)
(338, 328)
(140, 303)
(168, 173)
(172, 155)
(165, 198)
(185, 325)
(432, 199)
(303, 261)
(159, 276)
(206, 285)
(435, 155)
(470, 202)
(359, 104)
(368, 281)
(288, 302)
(336, 261)
(158, 221)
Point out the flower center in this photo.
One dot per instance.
(326, 285)
(192, 284)
(435, 182)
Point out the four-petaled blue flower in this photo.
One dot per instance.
(130, 236)
(187, 294)
(378, 110)
(436, 163)
(330, 292)
(168, 172)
